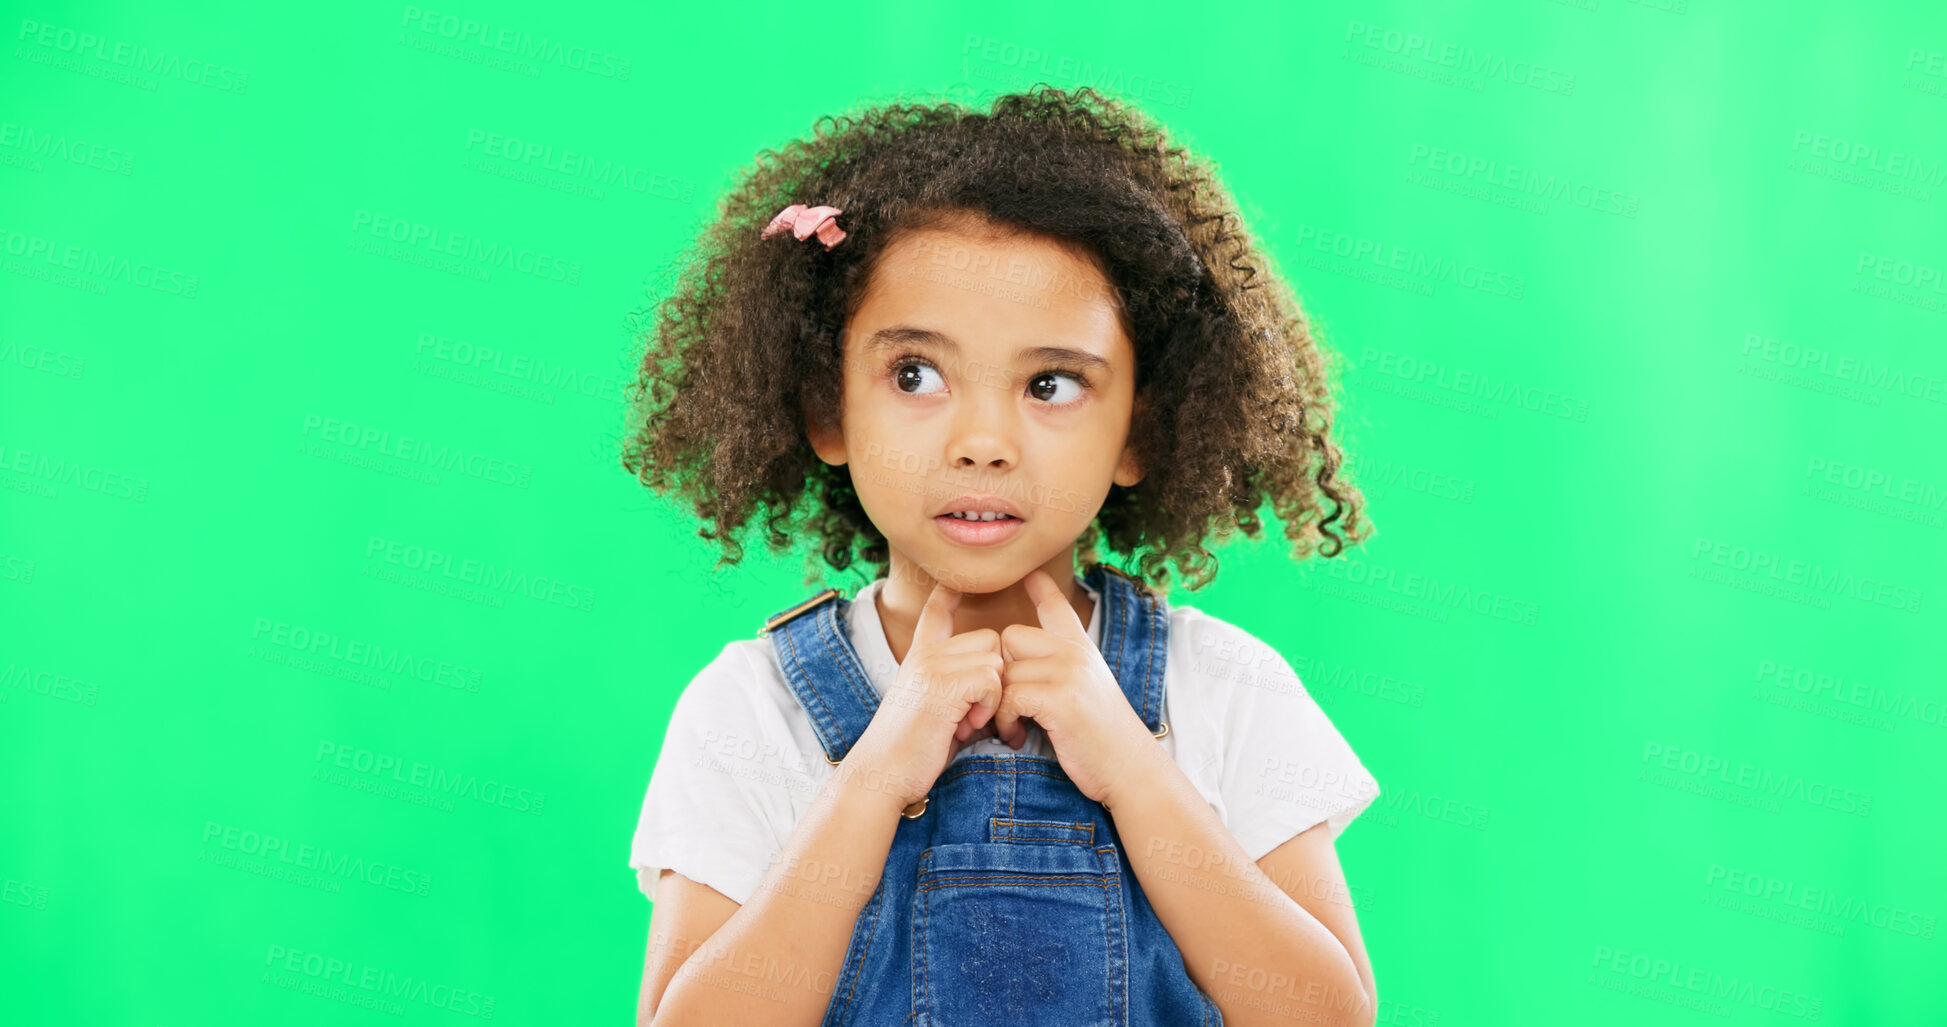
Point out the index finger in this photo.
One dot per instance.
(936, 617)
(1055, 612)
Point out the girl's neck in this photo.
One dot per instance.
(907, 585)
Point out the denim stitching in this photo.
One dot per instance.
(1013, 789)
(922, 920)
(922, 984)
(823, 721)
(1018, 879)
(998, 828)
(1112, 628)
(1151, 659)
(1113, 880)
(865, 947)
(1113, 864)
(845, 659)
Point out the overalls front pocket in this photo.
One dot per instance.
(1013, 932)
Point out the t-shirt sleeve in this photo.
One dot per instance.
(1285, 767)
(700, 817)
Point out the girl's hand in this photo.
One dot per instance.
(1056, 675)
(948, 687)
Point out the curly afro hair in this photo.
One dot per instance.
(1233, 397)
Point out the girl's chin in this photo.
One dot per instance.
(970, 571)
(971, 582)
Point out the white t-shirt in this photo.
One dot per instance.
(740, 763)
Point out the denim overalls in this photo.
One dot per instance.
(1005, 897)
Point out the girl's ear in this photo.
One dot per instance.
(1129, 470)
(827, 442)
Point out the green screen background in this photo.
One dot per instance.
(1641, 311)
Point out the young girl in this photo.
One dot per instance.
(973, 347)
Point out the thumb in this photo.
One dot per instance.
(936, 617)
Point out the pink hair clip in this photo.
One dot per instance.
(803, 221)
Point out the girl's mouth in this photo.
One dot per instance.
(968, 530)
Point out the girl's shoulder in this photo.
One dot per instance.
(732, 669)
(729, 684)
(1220, 654)
(1256, 739)
(740, 690)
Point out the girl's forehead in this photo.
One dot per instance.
(992, 297)
(987, 236)
(1007, 276)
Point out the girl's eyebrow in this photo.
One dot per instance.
(903, 335)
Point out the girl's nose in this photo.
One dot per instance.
(982, 437)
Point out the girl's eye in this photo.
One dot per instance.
(1049, 381)
(910, 377)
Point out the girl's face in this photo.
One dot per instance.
(992, 367)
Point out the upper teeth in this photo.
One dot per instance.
(970, 515)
